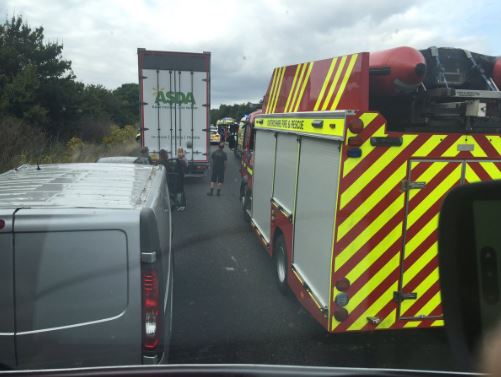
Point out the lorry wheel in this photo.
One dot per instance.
(280, 256)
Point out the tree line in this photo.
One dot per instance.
(47, 114)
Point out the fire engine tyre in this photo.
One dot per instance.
(281, 264)
(245, 201)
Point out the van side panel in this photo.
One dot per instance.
(77, 288)
(7, 345)
(69, 278)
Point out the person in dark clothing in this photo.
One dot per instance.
(180, 168)
(218, 158)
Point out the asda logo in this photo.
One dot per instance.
(174, 98)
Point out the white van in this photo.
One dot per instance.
(85, 265)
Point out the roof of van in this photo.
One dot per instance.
(88, 185)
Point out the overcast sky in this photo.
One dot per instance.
(248, 39)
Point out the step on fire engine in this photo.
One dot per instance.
(344, 172)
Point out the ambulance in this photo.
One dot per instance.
(344, 173)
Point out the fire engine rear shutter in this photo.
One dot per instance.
(264, 164)
(314, 217)
(286, 171)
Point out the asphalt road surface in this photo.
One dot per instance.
(228, 309)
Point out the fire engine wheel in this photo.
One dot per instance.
(244, 201)
(280, 256)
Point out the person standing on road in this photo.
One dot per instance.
(219, 159)
(181, 167)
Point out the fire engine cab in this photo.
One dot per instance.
(344, 172)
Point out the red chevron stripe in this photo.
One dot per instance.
(422, 301)
(338, 84)
(486, 145)
(389, 198)
(376, 293)
(480, 171)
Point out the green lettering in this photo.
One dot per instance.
(160, 97)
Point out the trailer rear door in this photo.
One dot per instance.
(7, 329)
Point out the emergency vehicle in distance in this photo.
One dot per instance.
(344, 172)
(174, 93)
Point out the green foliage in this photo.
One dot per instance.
(236, 111)
(38, 87)
(120, 135)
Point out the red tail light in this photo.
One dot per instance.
(151, 309)
(356, 126)
(355, 141)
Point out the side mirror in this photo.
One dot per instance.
(470, 266)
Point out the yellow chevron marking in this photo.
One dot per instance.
(412, 244)
(429, 145)
(434, 195)
(426, 309)
(296, 74)
(279, 88)
(324, 86)
(438, 323)
(296, 88)
(423, 260)
(303, 87)
(368, 175)
(412, 324)
(432, 169)
(496, 143)
(346, 77)
(339, 69)
(374, 279)
(380, 302)
(374, 255)
(388, 321)
(470, 175)
(371, 201)
(366, 147)
(492, 170)
(421, 289)
(452, 151)
(272, 90)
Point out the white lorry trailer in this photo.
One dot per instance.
(174, 94)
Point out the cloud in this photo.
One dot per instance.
(249, 38)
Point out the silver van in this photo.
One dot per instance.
(86, 268)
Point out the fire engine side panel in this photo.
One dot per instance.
(264, 164)
(285, 171)
(314, 216)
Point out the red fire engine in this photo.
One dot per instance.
(344, 172)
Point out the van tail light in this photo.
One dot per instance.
(356, 126)
(152, 312)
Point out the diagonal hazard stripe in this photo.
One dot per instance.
(324, 86)
(492, 169)
(351, 64)
(279, 88)
(381, 166)
(296, 88)
(339, 69)
(490, 144)
(431, 301)
(272, 90)
(470, 175)
(410, 308)
(418, 208)
(373, 126)
(349, 254)
(376, 202)
(303, 86)
(289, 97)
